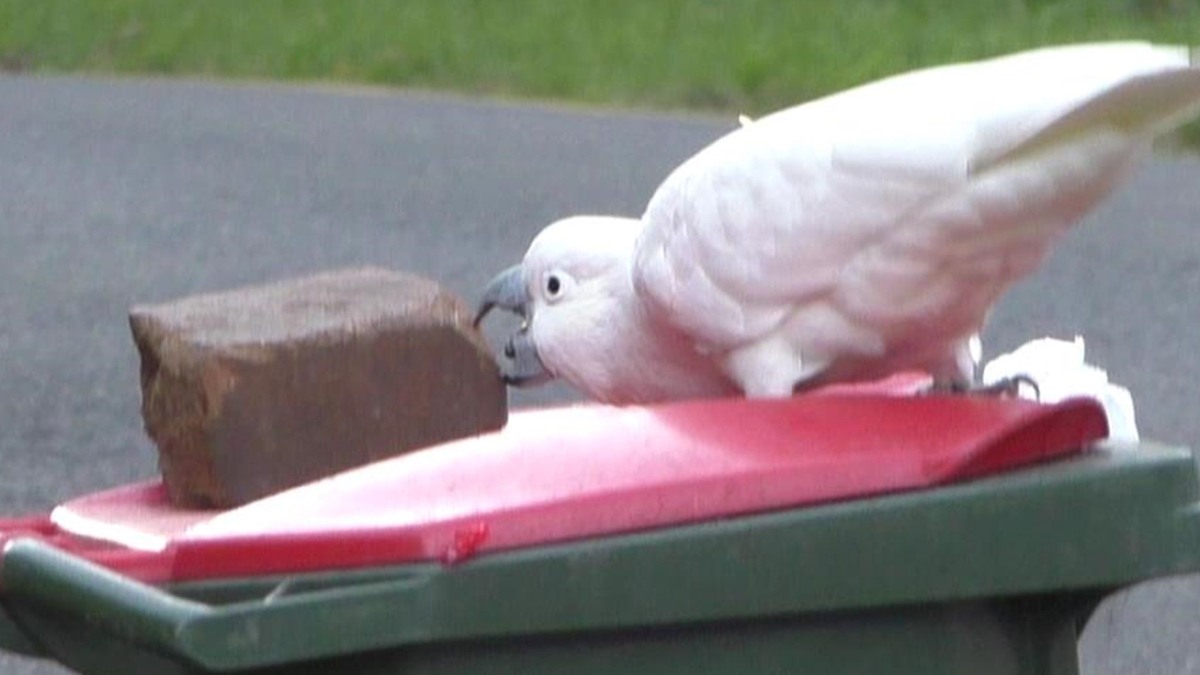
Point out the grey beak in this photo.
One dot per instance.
(525, 366)
(507, 291)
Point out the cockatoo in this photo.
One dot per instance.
(848, 238)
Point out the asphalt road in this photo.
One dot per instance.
(119, 192)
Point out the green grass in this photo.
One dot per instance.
(745, 55)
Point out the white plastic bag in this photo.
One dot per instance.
(1059, 369)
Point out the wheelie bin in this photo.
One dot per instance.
(834, 534)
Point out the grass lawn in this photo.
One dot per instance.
(745, 55)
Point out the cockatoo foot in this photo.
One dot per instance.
(1008, 387)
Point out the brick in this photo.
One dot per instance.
(254, 390)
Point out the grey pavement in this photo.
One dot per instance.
(115, 192)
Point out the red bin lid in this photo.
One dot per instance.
(584, 471)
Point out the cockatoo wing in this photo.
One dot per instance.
(902, 206)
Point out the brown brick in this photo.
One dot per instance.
(258, 389)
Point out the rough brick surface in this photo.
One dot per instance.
(255, 390)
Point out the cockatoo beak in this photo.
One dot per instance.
(507, 291)
(525, 366)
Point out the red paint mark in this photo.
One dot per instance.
(466, 543)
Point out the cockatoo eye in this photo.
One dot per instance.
(555, 284)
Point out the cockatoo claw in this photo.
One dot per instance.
(1008, 387)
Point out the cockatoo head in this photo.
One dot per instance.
(572, 290)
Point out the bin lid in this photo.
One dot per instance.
(562, 474)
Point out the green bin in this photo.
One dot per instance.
(983, 538)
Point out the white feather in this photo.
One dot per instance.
(857, 235)
(871, 231)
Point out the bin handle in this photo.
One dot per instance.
(47, 577)
(37, 573)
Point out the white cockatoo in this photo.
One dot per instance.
(845, 239)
